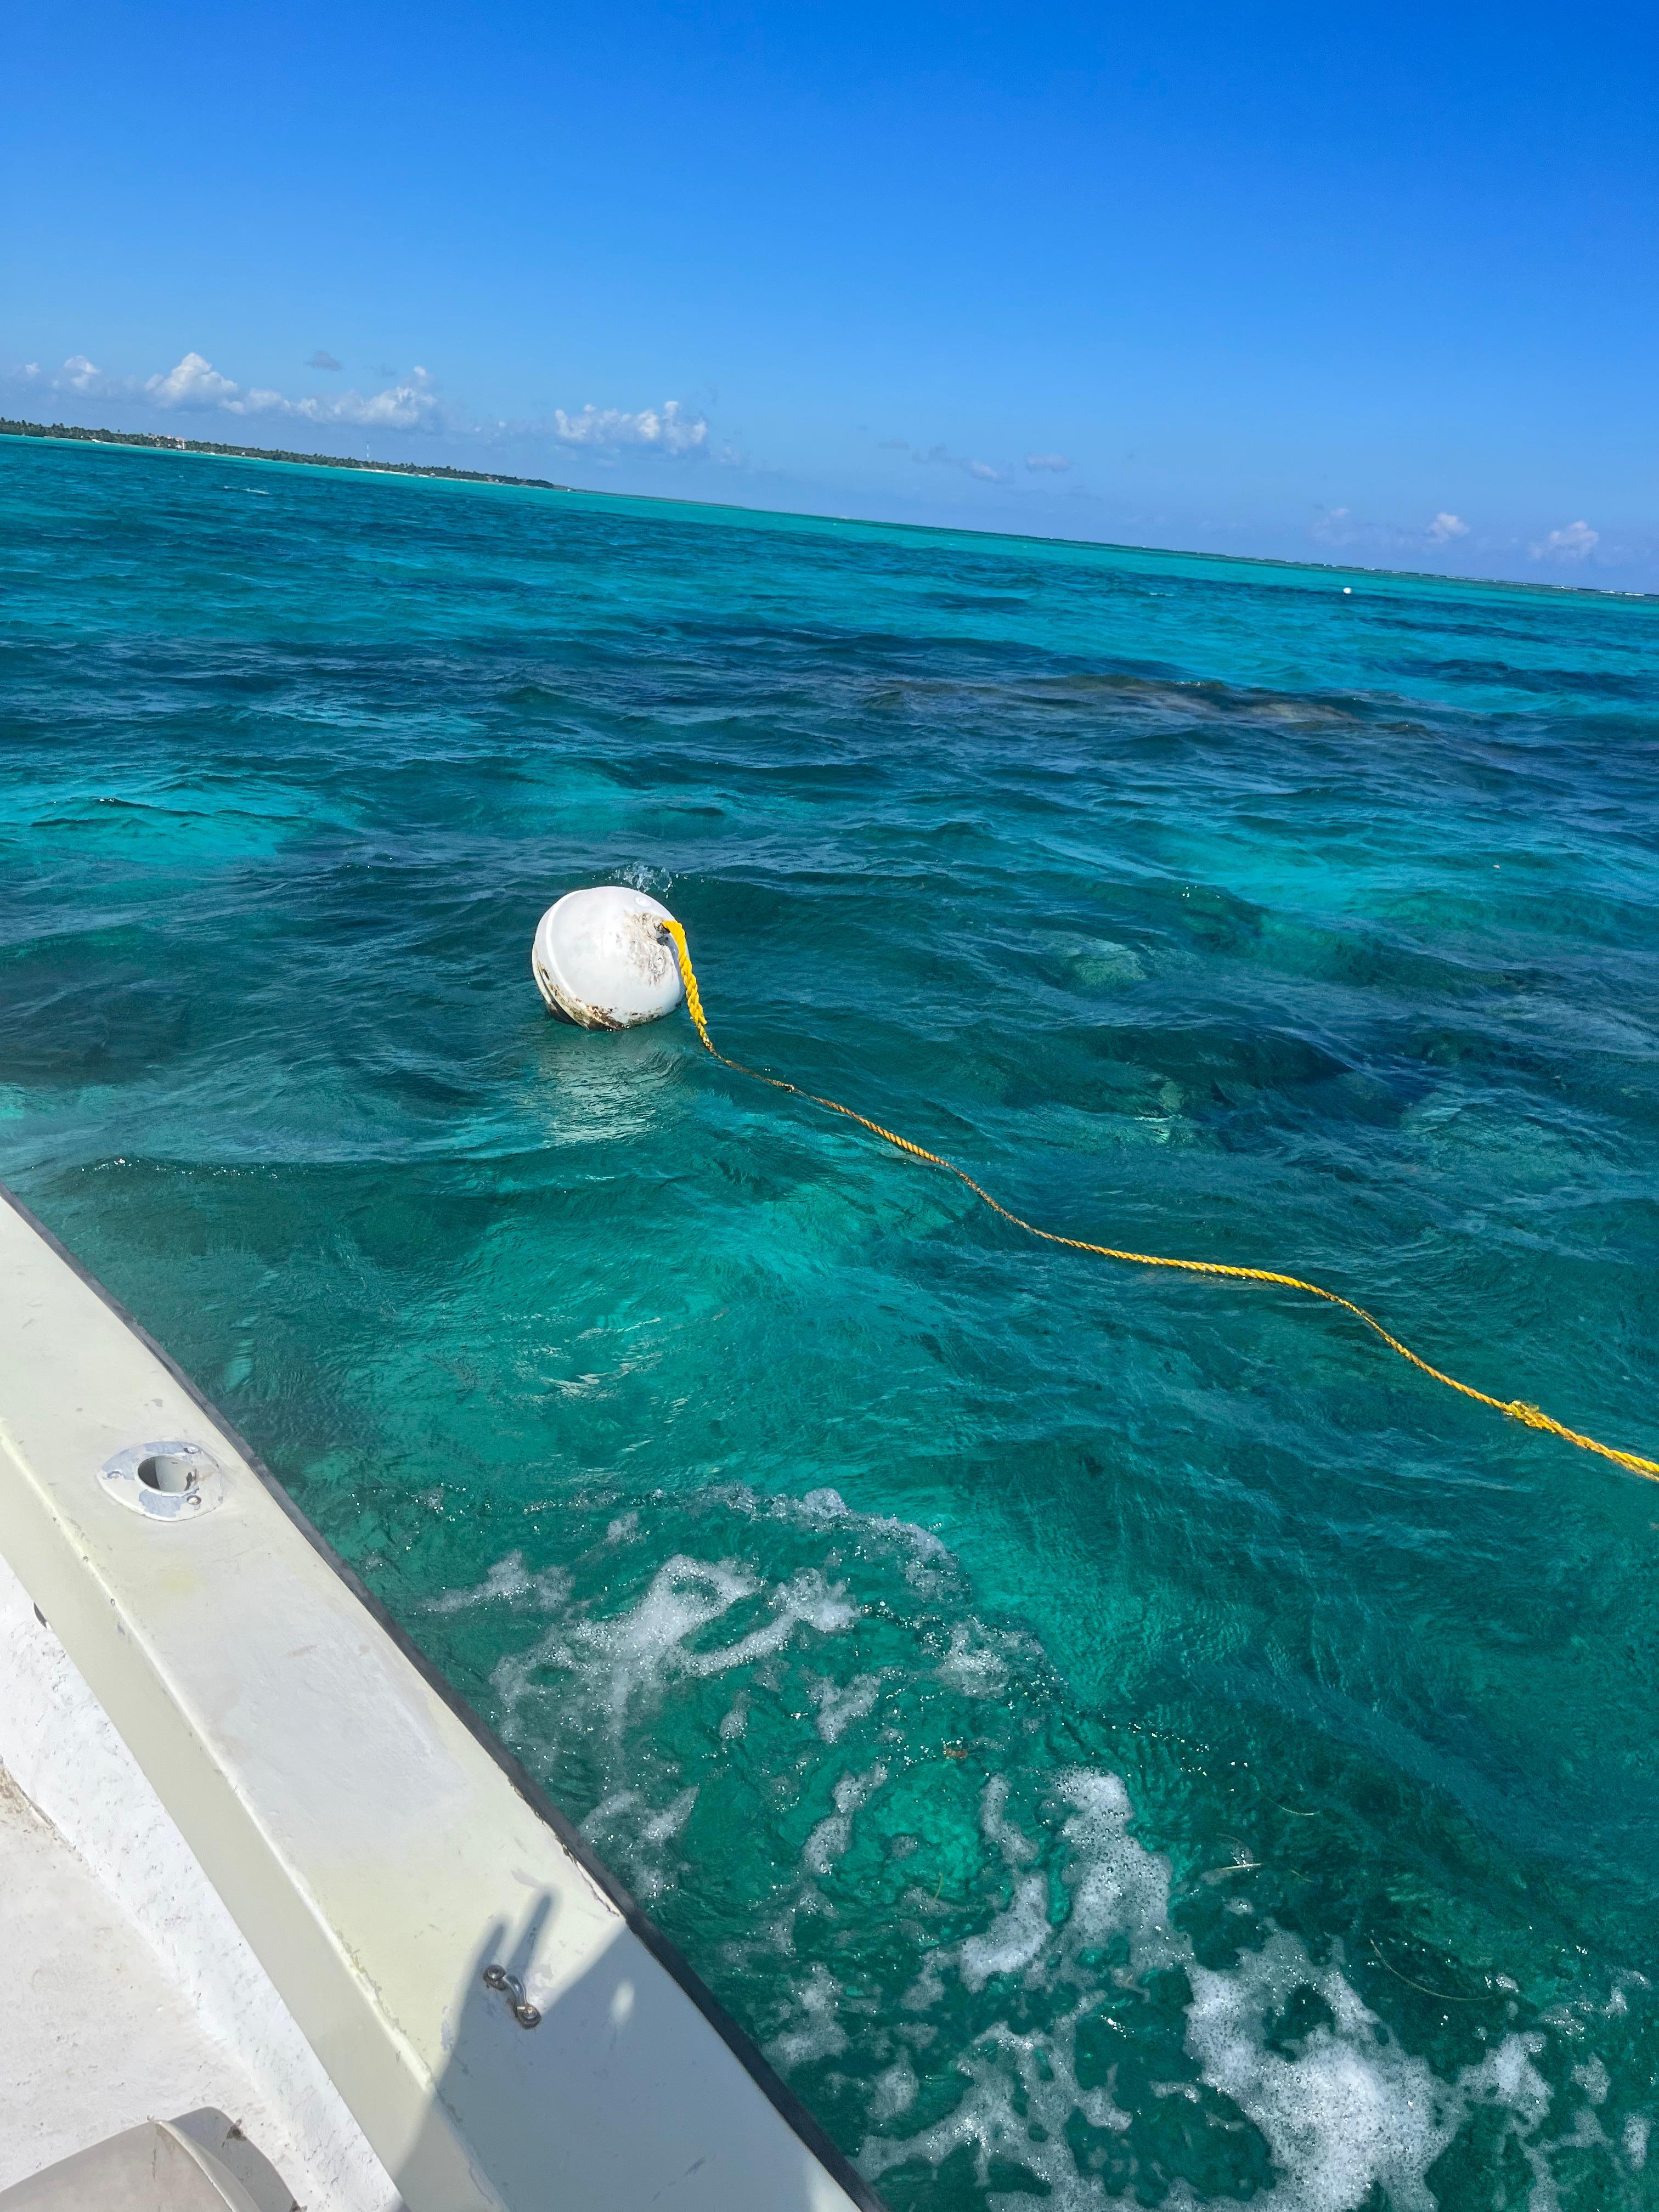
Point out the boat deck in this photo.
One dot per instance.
(98, 2029)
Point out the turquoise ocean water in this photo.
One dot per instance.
(1111, 1739)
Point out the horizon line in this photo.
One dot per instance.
(161, 441)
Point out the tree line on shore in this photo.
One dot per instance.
(168, 445)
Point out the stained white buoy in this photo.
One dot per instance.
(600, 961)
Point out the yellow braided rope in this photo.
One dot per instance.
(1516, 1409)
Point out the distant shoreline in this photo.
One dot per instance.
(151, 441)
(157, 443)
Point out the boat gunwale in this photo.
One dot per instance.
(788, 2106)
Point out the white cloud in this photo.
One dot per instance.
(1341, 530)
(981, 470)
(1059, 463)
(1577, 541)
(196, 386)
(195, 382)
(1334, 526)
(408, 402)
(80, 376)
(667, 428)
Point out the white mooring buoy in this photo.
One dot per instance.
(600, 961)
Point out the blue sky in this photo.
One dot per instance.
(1368, 285)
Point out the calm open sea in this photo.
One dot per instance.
(1110, 1738)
